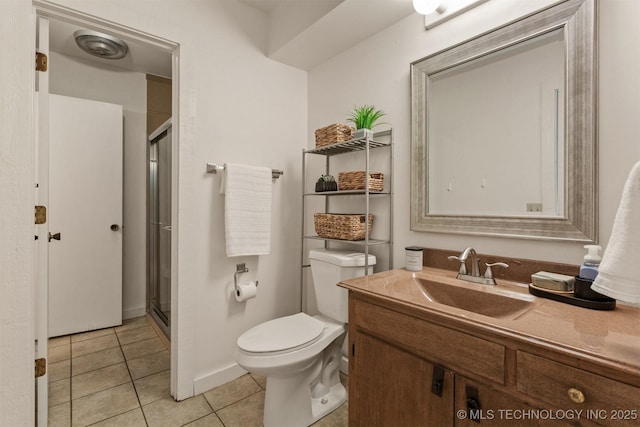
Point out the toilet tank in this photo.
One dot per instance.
(327, 269)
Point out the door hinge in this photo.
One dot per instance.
(41, 214)
(41, 61)
(41, 367)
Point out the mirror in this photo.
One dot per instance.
(503, 131)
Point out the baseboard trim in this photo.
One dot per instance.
(216, 378)
(133, 312)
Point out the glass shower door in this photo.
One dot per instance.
(160, 228)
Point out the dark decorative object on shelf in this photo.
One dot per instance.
(326, 183)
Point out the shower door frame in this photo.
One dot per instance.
(153, 225)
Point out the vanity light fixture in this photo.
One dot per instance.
(446, 9)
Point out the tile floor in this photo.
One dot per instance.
(120, 377)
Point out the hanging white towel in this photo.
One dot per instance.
(223, 182)
(618, 274)
(247, 210)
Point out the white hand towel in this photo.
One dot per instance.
(619, 274)
(223, 182)
(247, 210)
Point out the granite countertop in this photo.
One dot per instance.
(610, 337)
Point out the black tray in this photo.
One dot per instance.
(608, 304)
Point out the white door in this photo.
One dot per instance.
(85, 207)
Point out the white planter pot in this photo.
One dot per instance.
(363, 133)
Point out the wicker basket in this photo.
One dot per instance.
(341, 226)
(355, 181)
(333, 134)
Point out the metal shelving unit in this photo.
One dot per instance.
(380, 140)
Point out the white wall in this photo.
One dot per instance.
(83, 79)
(235, 105)
(377, 72)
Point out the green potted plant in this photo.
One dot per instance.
(326, 183)
(365, 118)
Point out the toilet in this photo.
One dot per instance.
(300, 354)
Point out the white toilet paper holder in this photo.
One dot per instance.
(240, 268)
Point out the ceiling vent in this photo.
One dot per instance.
(101, 45)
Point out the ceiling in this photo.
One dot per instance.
(306, 33)
(264, 5)
(141, 57)
(321, 30)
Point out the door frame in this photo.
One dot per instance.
(46, 9)
(41, 246)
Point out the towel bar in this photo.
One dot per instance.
(214, 168)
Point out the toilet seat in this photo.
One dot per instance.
(282, 334)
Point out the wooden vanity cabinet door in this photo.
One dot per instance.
(495, 408)
(390, 387)
(601, 400)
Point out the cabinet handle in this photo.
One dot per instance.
(473, 404)
(576, 395)
(437, 381)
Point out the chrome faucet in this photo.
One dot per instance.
(474, 276)
(475, 269)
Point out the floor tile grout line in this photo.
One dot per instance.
(132, 329)
(144, 355)
(109, 348)
(234, 402)
(133, 384)
(132, 381)
(204, 416)
(117, 415)
(100, 391)
(208, 403)
(147, 339)
(138, 341)
(154, 373)
(97, 351)
(113, 331)
(97, 369)
(254, 380)
(71, 357)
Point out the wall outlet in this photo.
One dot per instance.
(534, 207)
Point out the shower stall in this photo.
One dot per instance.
(159, 227)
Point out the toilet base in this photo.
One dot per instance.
(302, 399)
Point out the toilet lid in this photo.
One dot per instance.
(281, 334)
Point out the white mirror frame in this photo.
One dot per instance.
(577, 18)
